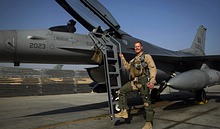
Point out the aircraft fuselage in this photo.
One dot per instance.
(45, 46)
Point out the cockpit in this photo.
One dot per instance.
(91, 14)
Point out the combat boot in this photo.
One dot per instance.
(122, 114)
(148, 125)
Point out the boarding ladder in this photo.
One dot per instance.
(109, 47)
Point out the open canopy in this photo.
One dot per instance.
(91, 14)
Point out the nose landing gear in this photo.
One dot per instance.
(200, 96)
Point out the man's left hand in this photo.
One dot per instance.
(150, 85)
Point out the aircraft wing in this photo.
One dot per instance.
(213, 61)
(185, 63)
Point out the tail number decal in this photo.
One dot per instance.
(38, 45)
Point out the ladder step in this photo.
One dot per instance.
(115, 87)
(109, 45)
(98, 35)
(113, 73)
(112, 59)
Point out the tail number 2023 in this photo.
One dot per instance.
(38, 45)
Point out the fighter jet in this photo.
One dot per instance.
(189, 69)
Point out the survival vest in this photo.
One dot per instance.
(139, 67)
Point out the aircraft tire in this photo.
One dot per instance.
(200, 96)
(115, 98)
(155, 94)
(116, 108)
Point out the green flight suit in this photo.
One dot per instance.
(139, 84)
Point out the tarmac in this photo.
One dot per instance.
(175, 110)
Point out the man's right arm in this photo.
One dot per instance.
(125, 63)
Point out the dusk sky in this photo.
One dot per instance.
(171, 24)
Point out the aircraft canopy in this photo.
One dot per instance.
(91, 14)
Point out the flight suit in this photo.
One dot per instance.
(142, 71)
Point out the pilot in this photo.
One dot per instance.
(142, 71)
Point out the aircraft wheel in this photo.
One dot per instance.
(115, 99)
(155, 94)
(116, 106)
(200, 96)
